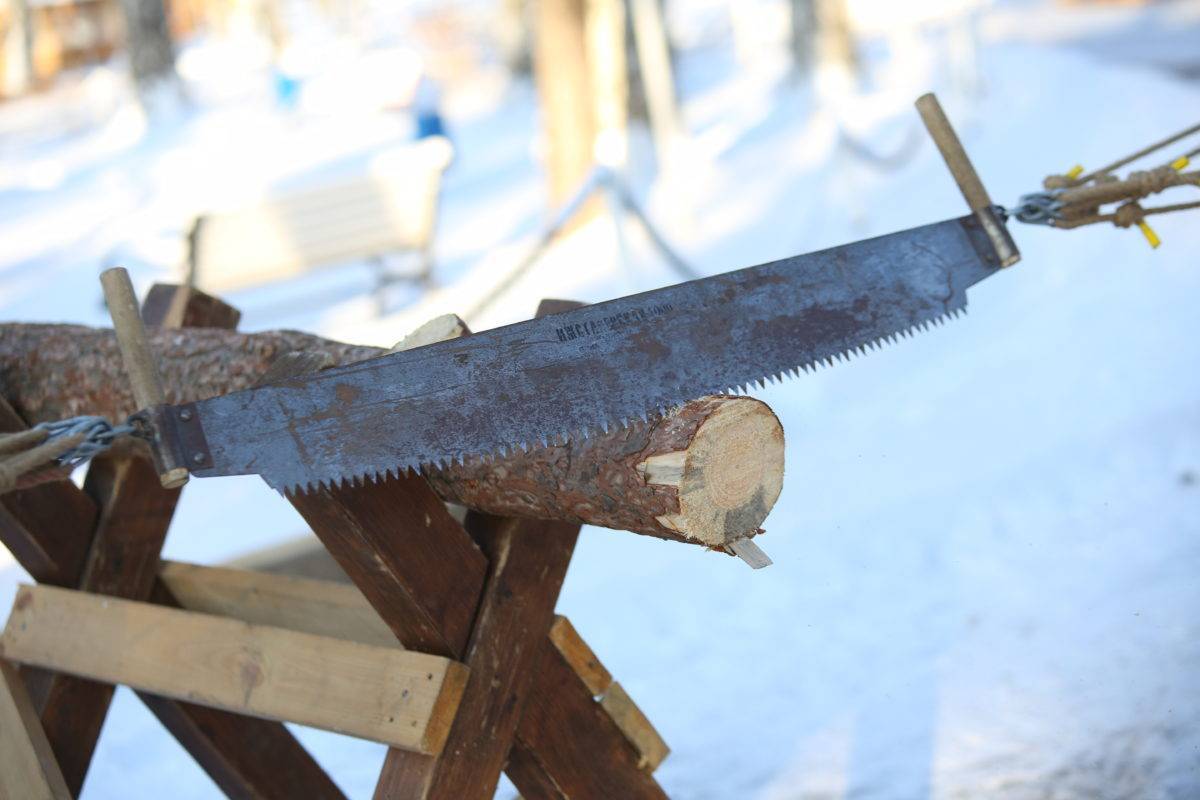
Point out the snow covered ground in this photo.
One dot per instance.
(986, 547)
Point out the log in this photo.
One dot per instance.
(706, 473)
(50, 372)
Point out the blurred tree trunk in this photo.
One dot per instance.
(514, 35)
(835, 40)
(803, 30)
(582, 80)
(151, 53)
(606, 55)
(18, 49)
(565, 94)
(651, 76)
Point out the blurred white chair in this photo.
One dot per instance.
(391, 209)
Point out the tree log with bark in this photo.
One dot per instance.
(707, 472)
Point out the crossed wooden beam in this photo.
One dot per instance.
(533, 700)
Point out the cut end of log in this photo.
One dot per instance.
(730, 475)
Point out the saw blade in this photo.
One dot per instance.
(592, 368)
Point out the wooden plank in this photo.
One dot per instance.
(416, 566)
(339, 610)
(578, 653)
(636, 727)
(384, 694)
(248, 758)
(135, 513)
(301, 557)
(615, 701)
(321, 607)
(389, 534)
(48, 528)
(528, 561)
(28, 770)
(568, 747)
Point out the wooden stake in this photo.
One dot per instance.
(138, 358)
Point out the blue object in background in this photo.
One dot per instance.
(287, 89)
(429, 123)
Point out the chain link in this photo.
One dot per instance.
(1039, 208)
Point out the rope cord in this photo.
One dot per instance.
(1063, 182)
(1074, 200)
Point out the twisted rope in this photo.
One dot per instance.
(1074, 199)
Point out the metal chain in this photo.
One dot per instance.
(1039, 208)
(99, 435)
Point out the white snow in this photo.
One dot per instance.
(985, 551)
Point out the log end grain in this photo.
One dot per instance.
(729, 476)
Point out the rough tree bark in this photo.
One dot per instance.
(50, 372)
(706, 473)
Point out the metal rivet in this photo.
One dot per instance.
(185, 414)
(197, 458)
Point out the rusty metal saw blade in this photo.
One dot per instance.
(591, 368)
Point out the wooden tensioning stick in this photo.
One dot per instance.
(964, 174)
(137, 356)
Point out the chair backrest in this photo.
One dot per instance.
(391, 208)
